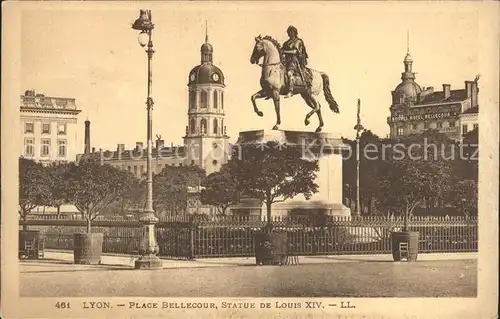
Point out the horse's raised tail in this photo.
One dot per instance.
(328, 94)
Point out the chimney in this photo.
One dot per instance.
(87, 137)
(160, 144)
(446, 91)
(468, 90)
(138, 146)
(120, 148)
(474, 94)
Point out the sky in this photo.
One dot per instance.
(91, 53)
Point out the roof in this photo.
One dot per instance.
(472, 110)
(438, 97)
(409, 88)
(408, 58)
(134, 154)
(206, 73)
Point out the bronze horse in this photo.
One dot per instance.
(272, 82)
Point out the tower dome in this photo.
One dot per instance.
(206, 72)
(408, 89)
(206, 47)
(408, 58)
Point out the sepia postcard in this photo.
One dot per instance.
(249, 159)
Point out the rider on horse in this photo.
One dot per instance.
(295, 58)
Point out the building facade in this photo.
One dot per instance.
(48, 127)
(415, 109)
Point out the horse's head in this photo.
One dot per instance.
(258, 50)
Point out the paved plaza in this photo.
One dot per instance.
(433, 275)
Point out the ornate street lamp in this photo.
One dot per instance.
(149, 247)
(358, 127)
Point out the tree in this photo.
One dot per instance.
(58, 184)
(467, 166)
(408, 181)
(273, 173)
(370, 159)
(220, 189)
(34, 187)
(92, 187)
(170, 187)
(463, 196)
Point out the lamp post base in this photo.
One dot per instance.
(148, 262)
(150, 249)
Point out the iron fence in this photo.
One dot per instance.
(231, 236)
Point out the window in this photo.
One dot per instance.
(61, 128)
(216, 126)
(400, 131)
(439, 125)
(475, 126)
(61, 148)
(452, 123)
(45, 128)
(426, 126)
(129, 168)
(29, 147)
(464, 129)
(192, 99)
(216, 98)
(135, 170)
(204, 99)
(192, 126)
(29, 128)
(222, 100)
(222, 126)
(142, 169)
(203, 126)
(414, 126)
(45, 148)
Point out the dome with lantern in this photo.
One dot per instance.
(206, 72)
(408, 89)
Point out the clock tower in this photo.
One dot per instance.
(206, 143)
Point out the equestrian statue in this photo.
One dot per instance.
(285, 72)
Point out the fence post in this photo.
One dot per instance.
(192, 241)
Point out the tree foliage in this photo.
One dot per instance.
(220, 189)
(465, 197)
(34, 186)
(170, 188)
(273, 173)
(421, 170)
(92, 187)
(58, 184)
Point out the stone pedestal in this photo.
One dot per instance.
(149, 247)
(325, 148)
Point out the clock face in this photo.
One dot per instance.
(192, 76)
(215, 77)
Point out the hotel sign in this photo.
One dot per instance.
(423, 117)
